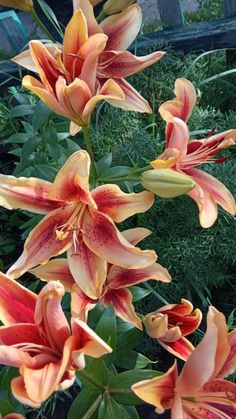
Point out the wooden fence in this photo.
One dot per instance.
(220, 33)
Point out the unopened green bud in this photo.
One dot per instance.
(166, 183)
(115, 6)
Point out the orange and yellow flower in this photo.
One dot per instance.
(90, 66)
(36, 338)
(88, 289)
(200, 390)
(182, 155)
(170, 324)
(77, 220)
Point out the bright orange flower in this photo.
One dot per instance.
(200, 390)
(184, 156)
(25, 5)
(170, 324)
(36, 338)
(90, 66)
(88, 290)
(77, 220)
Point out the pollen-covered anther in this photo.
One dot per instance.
(62, 235)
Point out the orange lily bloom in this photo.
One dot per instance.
(88, 291)
(170, 324)
(182, 155)
(25, 5)
(90, 66)
(12, 416)
(77, 220)
(36, 338)
(200, 390)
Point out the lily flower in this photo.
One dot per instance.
(77, 220)
(170, 324)
(183, 155)
(200, 390)
(113, 6)
(36, 338)
(90, 66)
(25, 5)
(86, 292)
(12, 416)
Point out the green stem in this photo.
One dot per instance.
(90, 151)
(41, 25)
(102, 15)
(118, 179)
(84, 374)
(156, 293)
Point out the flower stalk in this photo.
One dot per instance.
(90, 151)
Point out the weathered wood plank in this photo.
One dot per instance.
(202, 36)
(229, 8)
(170, 13)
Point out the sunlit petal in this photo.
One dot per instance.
(72, 181)
(121, 277)
(76, 34)
(88, 342)
(122, 28)
(81, 304)
(133, 100)
(109, 91)
(119, 205)
(17, 303)
(88, 270)
(50, 316)
(43, 242)
(46, 96)
(103, 238)
(135, 235)
(206, 204)
(158, 391)
(123, 63)
(19, 392)
(25, 58)
(55, 270)
(87, 9)
(181, 348)
(29, 194)
(122, 302)
(215, 188)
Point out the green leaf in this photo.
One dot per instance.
(120, 385)
(107, 327)
(30, 146)
(103, 164)
(41, 115)
(98, 369)
(45, 172)
(51, 141)
(21, 110)
(19, 138)
(126, 341)
(85, 404)
(51, 16)
(110, 409)
(6, 375)
(133, 360)
(139, 293)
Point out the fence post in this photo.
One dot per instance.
(230, 11)
(170, 13)
(230, 8)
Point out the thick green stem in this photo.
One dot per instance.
(119, 179)
(84, 374)
(90, 151)
(41, 25)
(155, 293)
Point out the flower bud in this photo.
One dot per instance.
(115, 6)
(166, 183)
(25, 5)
